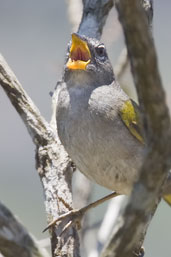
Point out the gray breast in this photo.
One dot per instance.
(96, 138)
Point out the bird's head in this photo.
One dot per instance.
(87, 60)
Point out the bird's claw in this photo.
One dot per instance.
(74, 217)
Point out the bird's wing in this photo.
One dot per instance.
(130, 115)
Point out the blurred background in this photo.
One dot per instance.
(33, 40)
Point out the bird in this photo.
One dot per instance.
(98, 124)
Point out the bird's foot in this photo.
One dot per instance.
(75, 216)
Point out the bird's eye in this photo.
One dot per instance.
(100, 50)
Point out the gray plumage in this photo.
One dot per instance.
(90, 127)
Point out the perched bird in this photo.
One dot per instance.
(98, 124)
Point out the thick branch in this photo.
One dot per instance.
(14, 238)
(52, 162)
(129, 235)
(94, 17)
(55, 170)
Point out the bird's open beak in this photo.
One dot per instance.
(79, 55)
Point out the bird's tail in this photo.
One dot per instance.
(167, 189)
(167, 198)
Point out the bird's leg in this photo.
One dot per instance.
(76, 215)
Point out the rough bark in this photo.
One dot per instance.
(52, 162)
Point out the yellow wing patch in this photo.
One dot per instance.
(130, 116)
(167, 198)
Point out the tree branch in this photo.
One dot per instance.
(52, 162)
(94, 17)
(129, 235)
(14, 238)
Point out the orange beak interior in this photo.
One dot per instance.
(79, 54)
